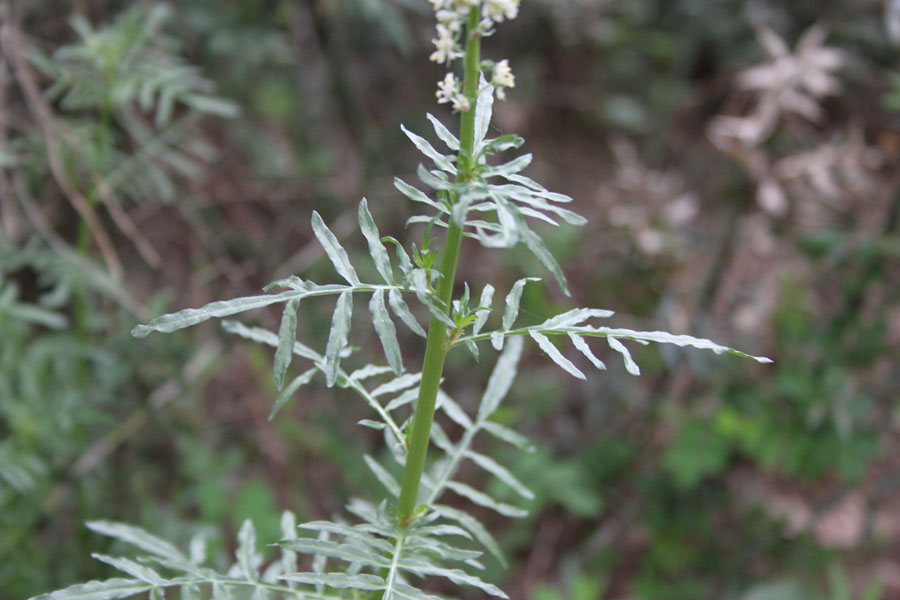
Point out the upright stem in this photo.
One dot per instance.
(436, 346)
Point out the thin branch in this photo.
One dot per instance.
(125, 224)
(391, 579)
(11, 43)
(8, 216)
(67, 253)
(105, 191)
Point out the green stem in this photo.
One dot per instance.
(436, 346)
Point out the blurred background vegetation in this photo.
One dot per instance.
(737, 161)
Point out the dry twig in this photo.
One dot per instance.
(11, 43)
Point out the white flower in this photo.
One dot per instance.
(486, 27)
(445, 44)
(503, 75)
(503, 78)
(498, 10)
(452, 14)
(461, 103)
(448, 89)
(450, 19)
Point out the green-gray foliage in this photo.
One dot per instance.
(129, 103)
(378, 550)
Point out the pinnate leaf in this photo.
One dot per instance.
(473, 526)
(443, 133)
(138, 537)
(376, 247)
(500, 472)
(288, 392)
(501, 379)
(457, 576)
(334, 250)
(126, 565)
(386, 331)
(484, 107)
(341, 581)
(246, 551)
(513, 298)
(583, 347)
(223, 308)
(537, 247)
(111, 589)
(482, 499)
(343, 552)
(338, 336)
(619, 347)
(553, 352)
(484, 308)
(401, 309)
(386, 479)
(287, 335)
(510, 436)
(441, 161)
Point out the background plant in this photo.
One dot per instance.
(396, 544)
(606, 69)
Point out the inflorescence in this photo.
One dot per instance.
(451, 18)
